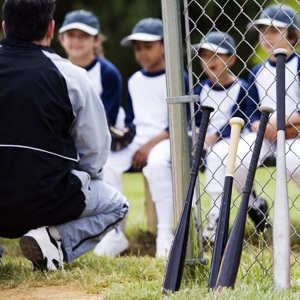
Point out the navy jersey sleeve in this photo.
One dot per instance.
(112, 89)
(253, 102)
(129, 113)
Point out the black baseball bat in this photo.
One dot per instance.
(176, 259)
(232, 254)
(281, 219)
(223, 222)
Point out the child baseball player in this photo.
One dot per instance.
(227, 95)
(81, 39)
(278, 28)
(146, 107)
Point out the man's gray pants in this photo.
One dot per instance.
(105, 208)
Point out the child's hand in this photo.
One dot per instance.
(271, 131)
(210, 140)
(140, 157)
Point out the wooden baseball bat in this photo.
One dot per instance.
(232, 254)
(281, 220)
(176, 259)
(223, 222)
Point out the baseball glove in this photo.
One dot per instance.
(121, 138)
(292, 131)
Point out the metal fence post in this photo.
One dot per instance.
(177, 110)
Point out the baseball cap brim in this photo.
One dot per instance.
(139, 36)
(80, 26)
(211, 47)
(268, 22)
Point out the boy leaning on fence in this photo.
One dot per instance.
(277, 26)
(227, 94)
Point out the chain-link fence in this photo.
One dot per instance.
(219, 82)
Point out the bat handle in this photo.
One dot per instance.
(280, 55)
(265, 112)
(206, 111)
(236, 127)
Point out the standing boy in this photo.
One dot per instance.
(146, 107)
(54, 144)
(278, 28)
(81, 38)
(227, 95)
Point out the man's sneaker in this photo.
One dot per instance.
(259, 214)
(209, 231)
(42, 249)
(163, 246)
(112, 244)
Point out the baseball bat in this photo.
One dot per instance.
(176, 259)
(223, 223)
(232, 254)
(281, 221)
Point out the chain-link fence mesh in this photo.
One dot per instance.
(235, 18)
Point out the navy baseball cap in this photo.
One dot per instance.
(276, 15)
(218, 42)
(82, 20)
(146, 30)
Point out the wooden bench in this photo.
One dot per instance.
(149, 205)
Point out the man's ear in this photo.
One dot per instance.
(50, 31)
(4, 27)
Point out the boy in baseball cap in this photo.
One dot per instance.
(228, 95)
(277, 27)
(146, 107)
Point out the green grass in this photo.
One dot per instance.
(137, 274)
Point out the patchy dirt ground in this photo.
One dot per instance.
(142, 243)
(47, 293)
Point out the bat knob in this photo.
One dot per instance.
(280, 51)
(236, 121)
(266, 108)
(207, 108)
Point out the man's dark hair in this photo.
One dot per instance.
(27, 20)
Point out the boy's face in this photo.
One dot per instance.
(78, 44)
(215, 65)
(273, 38)
(150, 55)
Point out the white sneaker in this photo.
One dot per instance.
(209, 231)
(112, 244)
(163, 246)
(42, 249)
